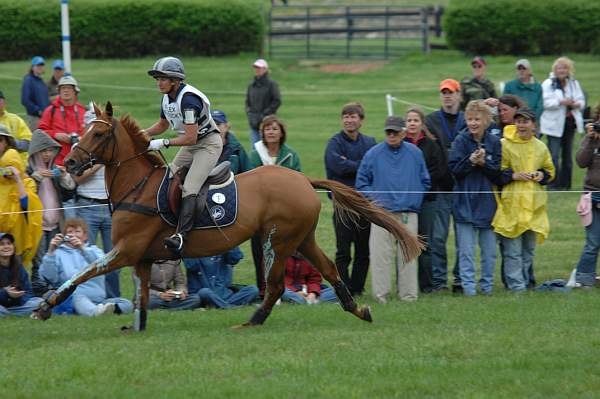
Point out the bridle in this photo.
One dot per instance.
(92, 160)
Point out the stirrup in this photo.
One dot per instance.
(170, 242)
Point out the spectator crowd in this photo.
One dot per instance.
(478, 161)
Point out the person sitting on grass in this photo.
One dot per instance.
(168, 288)
(68, 254)
(15, 291)
(211, 278)
(303, 283)
(522, 216)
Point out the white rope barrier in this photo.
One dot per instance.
(363, 192)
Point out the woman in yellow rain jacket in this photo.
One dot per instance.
(18, 194)
(521, 219)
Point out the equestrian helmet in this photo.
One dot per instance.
(168, 67)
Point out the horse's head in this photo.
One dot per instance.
(97, 146)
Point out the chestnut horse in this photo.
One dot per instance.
(278, 203)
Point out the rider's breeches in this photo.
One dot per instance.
(201, 158)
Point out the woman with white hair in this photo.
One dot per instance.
(563, 104)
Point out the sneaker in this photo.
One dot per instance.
(108, 308)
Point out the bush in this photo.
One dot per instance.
(521, 27)
(131, 28)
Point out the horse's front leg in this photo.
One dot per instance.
(100, 266)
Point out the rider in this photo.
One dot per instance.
(187, 110)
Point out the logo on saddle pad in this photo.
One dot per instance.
(217, 212)
(218, 198)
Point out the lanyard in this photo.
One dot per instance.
(451, 134)
(64, 115)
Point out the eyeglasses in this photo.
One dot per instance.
(476, 66)
(521, 68)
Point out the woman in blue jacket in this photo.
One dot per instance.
(34, 93)
(475, 162)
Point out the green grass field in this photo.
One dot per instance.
(504, 346)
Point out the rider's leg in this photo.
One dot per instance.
(201, 158)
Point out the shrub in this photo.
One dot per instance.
(131, 28)
(518, 27)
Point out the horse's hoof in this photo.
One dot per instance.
(366, 314)
(42, 312)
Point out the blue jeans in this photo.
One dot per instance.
(466, 235)
(518, 257)
(84, 306)
(242, 297)
(254, 137)
(586, 267)
(23, 310)
(327, 295)
(190, 302)
(437, 241)
(70, 211)
(99, 220)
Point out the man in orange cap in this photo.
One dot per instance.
(445, 124)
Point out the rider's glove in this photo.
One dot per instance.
(156, 144)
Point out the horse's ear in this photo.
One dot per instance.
(109, 109)
(97, 111)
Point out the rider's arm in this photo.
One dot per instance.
(158, 127)
(189, 138)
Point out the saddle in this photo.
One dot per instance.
(216, 204)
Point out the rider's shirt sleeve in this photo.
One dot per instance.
(191, 108)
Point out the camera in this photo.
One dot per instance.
(66, 238)
(596, 127)
(6, 172)
(74, 138)
(177, 294)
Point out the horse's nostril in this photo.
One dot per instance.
(70, 162)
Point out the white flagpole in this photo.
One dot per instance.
(66, 35)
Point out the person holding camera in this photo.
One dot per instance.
(15, 290)
(588, 156)
(17, 196)
(168, 288)
(51, 180)
(564, 101)
(474, 160)
(68, 254)
(521, 219)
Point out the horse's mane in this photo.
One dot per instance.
(140, 138)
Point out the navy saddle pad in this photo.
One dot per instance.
(220, 210)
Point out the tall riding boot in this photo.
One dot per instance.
(185, 224)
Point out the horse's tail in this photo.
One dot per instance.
(349, 204)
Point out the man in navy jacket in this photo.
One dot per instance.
(344, 152)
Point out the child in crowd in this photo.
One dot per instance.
(303, 283)
(522, 217)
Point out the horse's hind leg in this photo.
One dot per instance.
(141, 279)
(317, 257)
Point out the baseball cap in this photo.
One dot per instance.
(524, 63)
(7, 235)
(478, 60)
(526, 113)
(450, 84)
(58, 64)
(394, 123)
(37, 60)
(260, 63)
(218, 116)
